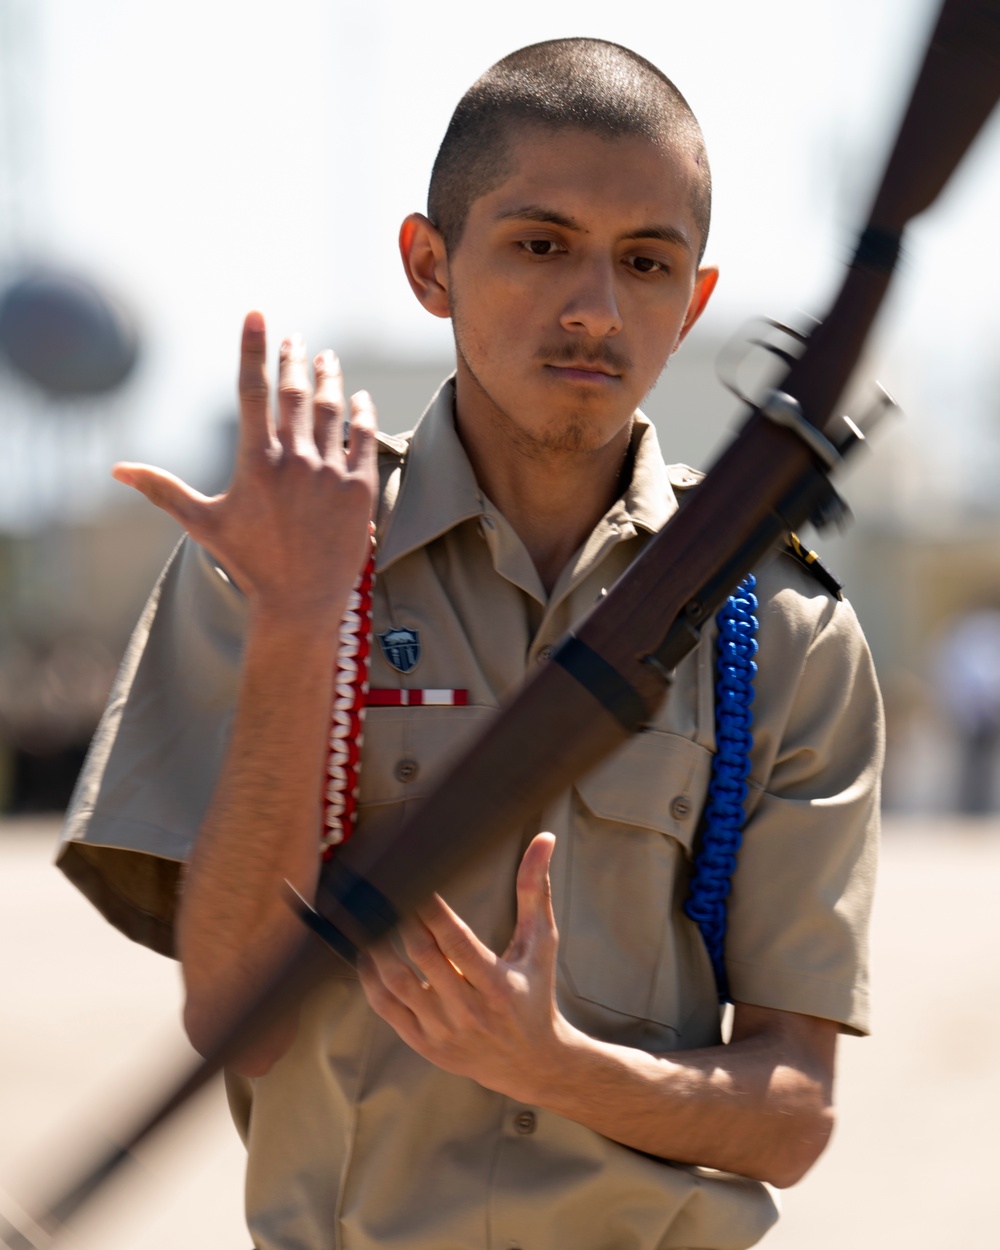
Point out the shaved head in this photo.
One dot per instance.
(562, 84)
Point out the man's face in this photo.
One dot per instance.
(571, 285)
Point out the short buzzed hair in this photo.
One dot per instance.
(582, 84)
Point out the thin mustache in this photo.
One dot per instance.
(570, 357)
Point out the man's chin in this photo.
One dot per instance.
(577, 434)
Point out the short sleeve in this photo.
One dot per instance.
(154, 761)
(799, 910)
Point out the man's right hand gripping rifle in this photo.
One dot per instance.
(292, 531)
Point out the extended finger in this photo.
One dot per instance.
(362, 446)
(396, 976)
(328, 407)
(256, 428)
(536, 920)
(423, 951)
(457, 943)
(188, 507)
(294, 396)
(384, 1001)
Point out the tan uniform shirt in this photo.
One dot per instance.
(355, 1141)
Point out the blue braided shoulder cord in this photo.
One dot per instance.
(715, 862)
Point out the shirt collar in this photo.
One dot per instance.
(439, 490)
(649, 500)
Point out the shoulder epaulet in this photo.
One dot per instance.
(394, 444)
(811, 562)
(682, 477)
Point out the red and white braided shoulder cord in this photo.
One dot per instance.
(350, 692)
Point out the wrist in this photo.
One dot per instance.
(552, 1068)
(294, 656)
(315, 625)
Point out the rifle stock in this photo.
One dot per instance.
(584, 704)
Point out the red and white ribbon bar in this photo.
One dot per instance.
(418, 698)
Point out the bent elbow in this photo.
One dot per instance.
(208, 1035)
(254, 1062)
(802, 1147)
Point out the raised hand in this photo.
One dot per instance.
(292, 529)
(467, 1010)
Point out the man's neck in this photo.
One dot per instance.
(553, 498)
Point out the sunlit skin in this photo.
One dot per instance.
(572, 284)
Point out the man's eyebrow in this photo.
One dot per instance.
(665, 234)
(537, 212)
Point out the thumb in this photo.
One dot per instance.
(169, 494)
(535, 932)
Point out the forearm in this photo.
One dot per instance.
(761, 1106)
(293, 531)
(262, 826)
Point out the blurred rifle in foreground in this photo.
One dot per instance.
(608, 678)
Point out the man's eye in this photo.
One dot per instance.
(646, 264)
(540, 247)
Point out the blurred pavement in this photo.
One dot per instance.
(88, 1022)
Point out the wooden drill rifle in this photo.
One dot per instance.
(609, 677)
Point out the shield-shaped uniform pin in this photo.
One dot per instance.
(401, 647)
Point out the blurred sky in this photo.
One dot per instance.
(205, 157)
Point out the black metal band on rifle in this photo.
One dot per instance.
(329, 933)
(603, 681)
(366, 904)
(878, 249)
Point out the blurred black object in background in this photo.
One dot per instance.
(66, 334)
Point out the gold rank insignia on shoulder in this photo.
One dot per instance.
(683, 479)
(810, 561)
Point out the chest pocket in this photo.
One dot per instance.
(406, 749)
(632, 962)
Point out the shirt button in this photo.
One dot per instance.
(545, 654)
(680, 808)
(406, 770)
(524, 1122)
(486, 523)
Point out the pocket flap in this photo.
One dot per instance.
(406, 749)
(656, 780)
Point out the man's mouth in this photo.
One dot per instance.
(584, 370)
(597, 368)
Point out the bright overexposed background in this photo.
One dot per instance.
(206, 158)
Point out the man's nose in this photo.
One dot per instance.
(591, 304)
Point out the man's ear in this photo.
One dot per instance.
(425, 260)
(704, 285)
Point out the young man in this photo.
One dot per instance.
(545, 1066)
